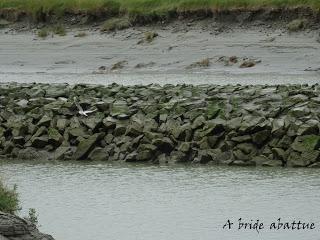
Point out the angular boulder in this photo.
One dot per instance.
(86, 146)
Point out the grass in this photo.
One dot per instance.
(9, 202)
(80, 34)
(57, 29)
(150, 36)
(144, 7)
(115, 24)
(43, 33)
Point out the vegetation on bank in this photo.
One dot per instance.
(9, 202)
(46, 31)
(144, 7)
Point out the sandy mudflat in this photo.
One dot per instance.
(280, 56)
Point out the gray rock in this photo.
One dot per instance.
(86, 145)
(198, 122)
(99, 154)
(93, 121)
(109, 122)
(278, 127)
(146, 152)
(241, 139)
(247, 148)
(310, 127)
(306, 143)
(315, 165)
(279, 154)
(77, 132)
(131, 157)
(260, 160)
(285, 142)
(15, 228)
(305, 159)
(135, 129)
(299, 112)
(165, 144)
(272, 163)
(62, 123)
(179, 157)
(118, 108)
(33, 154)
(261, 137)
(57, 91)
(184, 147)
(40, 142)
(61, 152)
(44, 121)
(54, 137)
(19, 140)
(120, 130)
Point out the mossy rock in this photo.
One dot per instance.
(113, 24)
(215, 109)
(55, 137)
(306, 143)
(86, 146)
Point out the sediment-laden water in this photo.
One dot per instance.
(81, 201)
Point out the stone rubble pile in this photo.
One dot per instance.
(231, 124)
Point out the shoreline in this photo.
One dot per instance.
(222, 125)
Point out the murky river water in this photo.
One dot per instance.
(81, 201)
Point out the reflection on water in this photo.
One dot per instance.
(81, 201)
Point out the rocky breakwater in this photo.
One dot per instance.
(233, 125)
(16, 228)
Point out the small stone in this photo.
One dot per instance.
(45, 121)
(248, 64)
(241, 139)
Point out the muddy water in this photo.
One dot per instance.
(81, 201)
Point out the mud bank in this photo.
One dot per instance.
(233, 125)
(208, 51)
(150, 16)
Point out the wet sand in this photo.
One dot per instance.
(280, 56)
